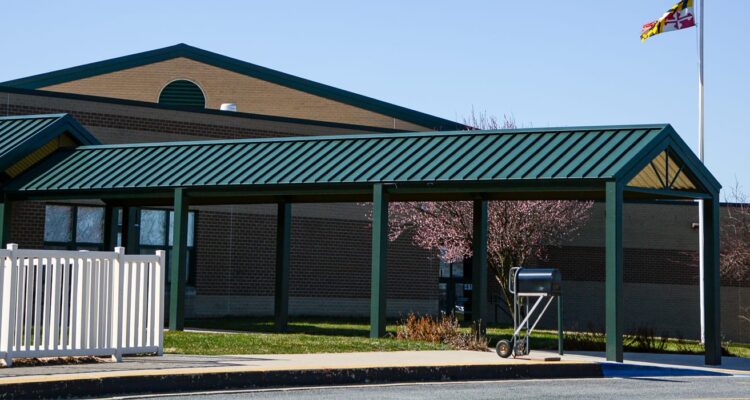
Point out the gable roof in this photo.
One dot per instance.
(22, 135)
(550, 155)
(239, 66)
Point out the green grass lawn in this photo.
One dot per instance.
(305, 335)
(337, 335)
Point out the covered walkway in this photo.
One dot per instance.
(611, 164)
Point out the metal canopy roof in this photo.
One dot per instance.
(576, 158)
(20, 136)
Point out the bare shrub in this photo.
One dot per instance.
(444, 329)
(645, 340)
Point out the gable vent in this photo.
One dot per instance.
(182, 93)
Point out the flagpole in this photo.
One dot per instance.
(700, 155)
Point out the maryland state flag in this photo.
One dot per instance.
(680, 16)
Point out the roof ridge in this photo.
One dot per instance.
(33, 116)
(364, 136)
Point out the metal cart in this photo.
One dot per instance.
(537, 285)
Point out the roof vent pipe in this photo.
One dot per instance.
(228, 107)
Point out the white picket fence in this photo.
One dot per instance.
(56, 303)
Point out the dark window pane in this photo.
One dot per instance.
(57, 223)
(90, 225)
(152, 227)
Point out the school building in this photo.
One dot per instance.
(181, 93)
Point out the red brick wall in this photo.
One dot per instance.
(640, 265)
(27, 228)
(148, 124)
(330, 258)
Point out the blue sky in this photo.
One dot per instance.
(547, 63)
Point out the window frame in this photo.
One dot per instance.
(190, 274)
(72, 244)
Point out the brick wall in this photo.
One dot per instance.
(183, 125)
(251, 95)
(330, 258)
(640, 265)
(27, 228)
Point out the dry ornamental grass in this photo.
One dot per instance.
(444, 329)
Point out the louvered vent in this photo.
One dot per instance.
(182, 93)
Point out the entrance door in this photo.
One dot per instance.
(455, 289)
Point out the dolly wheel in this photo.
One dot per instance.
(503, 348)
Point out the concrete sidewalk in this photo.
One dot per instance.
(181, 373)
(175, 373)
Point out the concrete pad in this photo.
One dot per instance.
(172, 373)
(177, 364)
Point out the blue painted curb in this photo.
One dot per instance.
(618, 370)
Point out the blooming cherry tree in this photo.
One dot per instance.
(517, 230)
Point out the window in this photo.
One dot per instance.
(182, 93)
(74, 227)
(153, 225)
(156, 234)
(58, 224)
(89, 225)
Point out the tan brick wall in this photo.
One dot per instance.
(251, 95)
(221, 305)
(646, 226)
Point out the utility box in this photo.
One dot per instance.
(535, 281)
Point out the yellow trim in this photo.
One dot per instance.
(653, 175)
(39, 154)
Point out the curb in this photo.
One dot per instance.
(617, 370)
(208, 381)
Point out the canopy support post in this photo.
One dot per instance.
(179, 262)
(379, 277)
(614, 274)
(479, 266)
(283, 257)
(6, 216)
(110, 227)
(130, 232)
(711, 281)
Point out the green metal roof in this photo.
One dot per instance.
(239, 66)
(21, 135)
(461, 157)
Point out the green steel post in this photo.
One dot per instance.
(6, 212)
(134, 231)
(560, 333)
(614, 274)
(283, 257)
(110, 227)
(124, 228)
(179, 260)
(130, 231)
(479, 267)
(711, 281)
(379, 278)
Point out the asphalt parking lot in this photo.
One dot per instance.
(730, 387)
